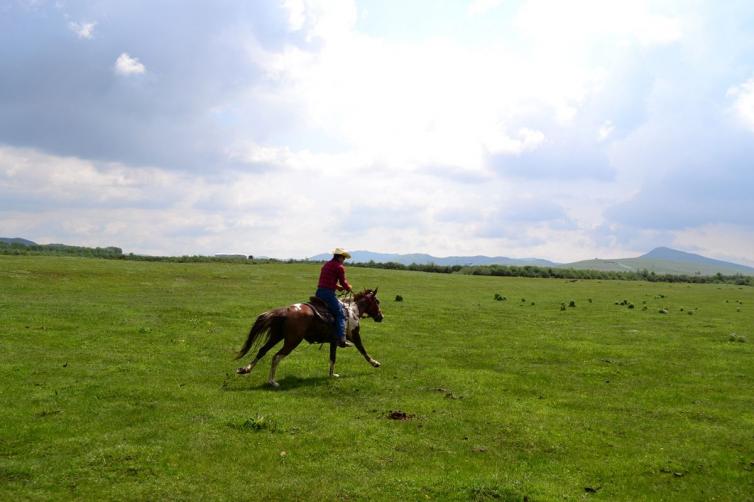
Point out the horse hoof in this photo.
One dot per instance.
(273, 384)
(376, 364)
(335, 375)
(242, 371)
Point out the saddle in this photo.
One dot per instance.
(325, 331)
(321, 310)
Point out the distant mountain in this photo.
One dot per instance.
(17, 240)
(661, 260)
(664, 260)
(425, 259)
(663, 253)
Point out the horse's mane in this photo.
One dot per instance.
(362, 294)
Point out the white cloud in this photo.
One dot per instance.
(578, 23)
(478, 7)
(66, 181)
(605, 130)
(296, 14)
(743, 105)
(327, 20)
(434, 102)
(127, 65)
(526, 140)
(82, 30)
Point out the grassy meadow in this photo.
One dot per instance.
(117, 382)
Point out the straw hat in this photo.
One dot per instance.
(341, 252)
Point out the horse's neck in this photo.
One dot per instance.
(348, 304)
(352, 306)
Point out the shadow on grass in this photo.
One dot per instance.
(235, 383)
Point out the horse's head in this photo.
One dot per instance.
(369, 305)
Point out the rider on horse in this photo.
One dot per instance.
(332, 277)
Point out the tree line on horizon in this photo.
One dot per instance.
(532, 271)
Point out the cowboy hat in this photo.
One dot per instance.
(341, 252)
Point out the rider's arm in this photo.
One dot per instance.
(342, 279)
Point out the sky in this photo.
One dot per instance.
(286, 128)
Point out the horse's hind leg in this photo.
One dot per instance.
(291, 342)
(275, 337)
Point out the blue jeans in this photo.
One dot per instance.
(328, 295)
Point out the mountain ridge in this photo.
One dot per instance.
(17, 240)
(661, 260)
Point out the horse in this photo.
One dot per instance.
(301, 321)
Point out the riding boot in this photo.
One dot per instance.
(343, 343)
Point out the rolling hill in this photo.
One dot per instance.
(664, 260)
(17, 240)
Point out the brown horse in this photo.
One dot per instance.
(299, 322)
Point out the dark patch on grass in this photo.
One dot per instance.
(48, 413)
(14, 476)
(448, 393)
(399, 415)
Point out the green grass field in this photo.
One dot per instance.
(118, 383)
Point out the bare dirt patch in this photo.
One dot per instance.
(399, 415)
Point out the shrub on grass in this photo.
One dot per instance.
(733, 337)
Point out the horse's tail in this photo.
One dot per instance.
(262, 326)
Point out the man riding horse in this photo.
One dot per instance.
(303, 321)
(332, 277)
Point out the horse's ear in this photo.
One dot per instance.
(375, 291)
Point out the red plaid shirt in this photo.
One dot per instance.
(332, 273)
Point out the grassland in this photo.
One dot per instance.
(116, 382)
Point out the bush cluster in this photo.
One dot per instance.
(564, 273)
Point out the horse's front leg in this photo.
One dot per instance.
(356, 338)
(333, 351)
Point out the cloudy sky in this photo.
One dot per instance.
(521, 128)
